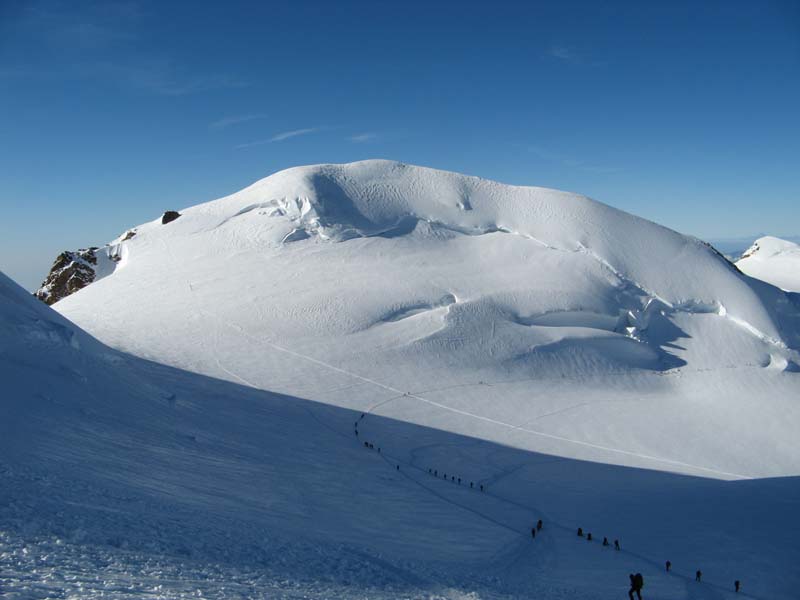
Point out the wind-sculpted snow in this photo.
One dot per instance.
(524, 316)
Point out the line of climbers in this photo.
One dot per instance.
(454, 479)
(637, 580)
(605, 539)
(434, 472)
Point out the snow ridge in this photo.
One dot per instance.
(352, 284)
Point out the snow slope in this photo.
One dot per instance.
(773, 260)
(356, 284)
(128, 479)
(525, 316)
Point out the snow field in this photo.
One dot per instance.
(587, 367)
(587, 321)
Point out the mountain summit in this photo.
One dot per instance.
(388, 376)
(522, 315)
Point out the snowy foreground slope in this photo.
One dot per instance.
(528, 317)
(775, 261)
(125, 478)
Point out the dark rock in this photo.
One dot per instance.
(74, 270)
(70, 272)
(169, 216)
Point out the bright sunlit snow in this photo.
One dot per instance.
(775, 261)
(525, 316)
(581, 365)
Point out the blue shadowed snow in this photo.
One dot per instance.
(126, 478)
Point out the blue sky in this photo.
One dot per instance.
(112, 112)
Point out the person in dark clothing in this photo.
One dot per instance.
(605, 541)
(616, 544)
(669, 566)
(580, 532)
(481, 487)
(736, 585)
(698, 575)
(539, 525)
(589, 537)
(470, 485)
(635, 587)
(533, 532)
(637, 583)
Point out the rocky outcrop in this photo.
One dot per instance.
(73, 270)
(70, 272)
(169, 216)
(751, 251)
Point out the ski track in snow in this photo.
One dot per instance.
(395, 461)
(627, 261)
(527, 430)
(402, 394)
(716, 591)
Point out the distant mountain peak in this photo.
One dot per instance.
(774, 260)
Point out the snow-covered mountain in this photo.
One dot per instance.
(733, 248)
(375, 379)
(773, 260)
(128, 479)
(529, 317)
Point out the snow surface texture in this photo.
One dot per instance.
(775, 261)
(122, 478)
(529, 317)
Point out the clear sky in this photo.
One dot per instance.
(111, 112)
